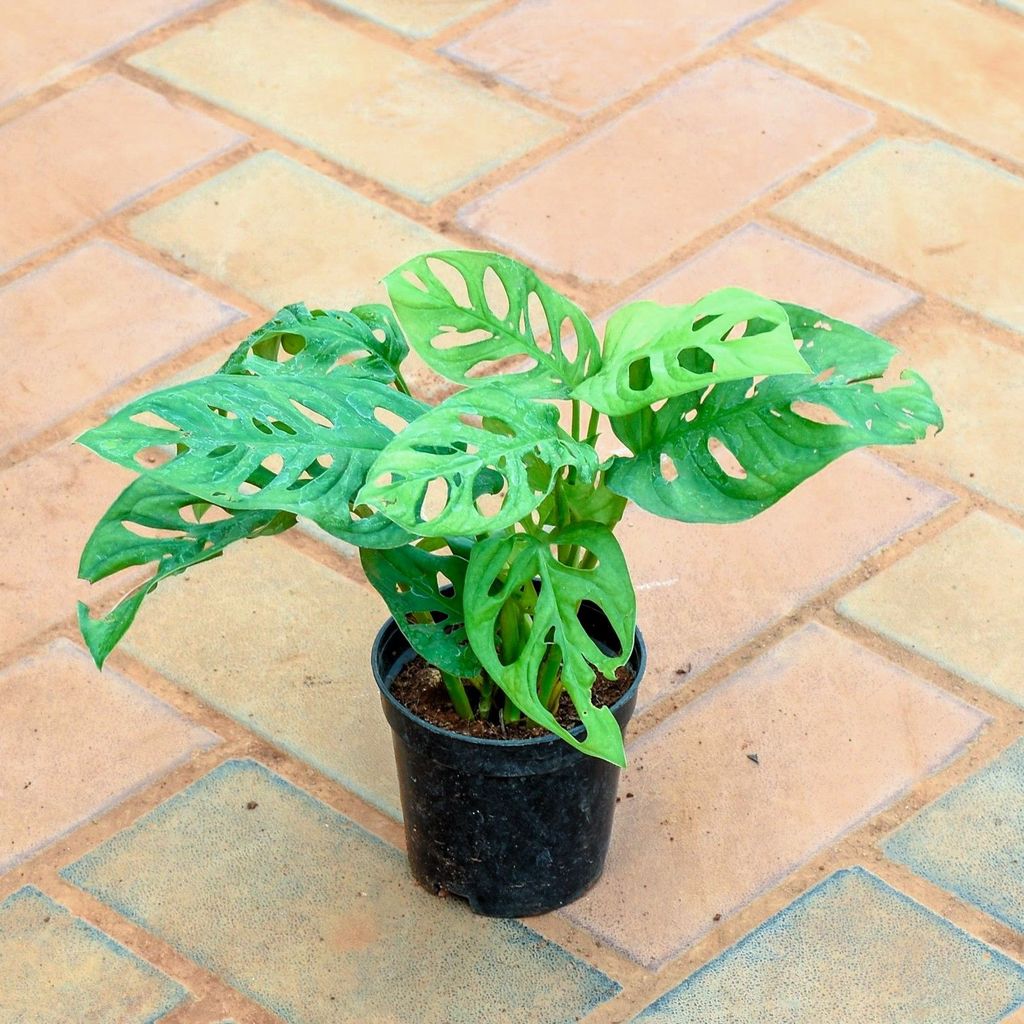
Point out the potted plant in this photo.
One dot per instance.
(486, 522)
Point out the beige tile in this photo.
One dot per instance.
(955, 66)
(958, 600)
(76, 742)
(80, 157)
(414, 17)
(838, 732)
(412, 126)
(704, 590)
(584, 54)
(108, 315)
(590, 210)
(944, 219)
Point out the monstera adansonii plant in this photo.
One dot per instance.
(486, 520)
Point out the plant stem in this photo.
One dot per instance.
(576, 419)
(486, 695)
(548, 677)
(400, 383)
(457, 692)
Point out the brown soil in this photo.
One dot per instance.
(419, 688)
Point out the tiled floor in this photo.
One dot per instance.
(822, 816)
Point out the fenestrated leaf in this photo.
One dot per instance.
(462, 445)
(648, 349)
(772, 429)
(407, 579)
(171, 541)
(456, 338)
(499, 567)
(315, 437)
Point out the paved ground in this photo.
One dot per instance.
(209, 830)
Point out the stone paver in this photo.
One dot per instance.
(959, 600)
(882, 205)
(348, 97)
(108, 315)
(948, 63)
(68, 163)
(414, 17)
(559, 216)
(56, 967)
(584, 54)
(853, 946)
(76, 742)
(838, 733)
(317, 919)
(306, 685)
(986, 870)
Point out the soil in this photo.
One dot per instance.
(419, 688)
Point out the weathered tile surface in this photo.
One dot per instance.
(306, 685)
(959, 600)
(414, 17)
(584, 54)
(855, 947)
(365, 104)
(76, 741)
(85, 323)
(68, 163)
(954, 65)
(704, 590)
(317, 918)
(883, 205)
(559, 214)
(971, 841)
(57, 968)
(271, 228)
(838, 733)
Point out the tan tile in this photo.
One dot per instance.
(412, 126)
(838, 732)
(958, 600)
(45, 39)
(937, 215)
(589, 210)
(414, 17)
(282, 644)
(704, 590)
(108, 315)
(955, 66)
(584, 54)
(68, 163)
(49, 505)
(76, 742)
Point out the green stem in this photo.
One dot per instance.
(400, 383)
(457, 692)
(486, 695)
(575, 419)
(549, 677)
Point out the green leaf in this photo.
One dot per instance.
(162, 535)
(492, 321)
(449, 449)
(499, 567)
(291, 443)
(648, 349)
(411, 580)
(772, 428)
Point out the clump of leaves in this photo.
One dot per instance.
(485, 521)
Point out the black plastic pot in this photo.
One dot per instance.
(516, 827)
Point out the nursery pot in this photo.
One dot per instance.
(515, 827)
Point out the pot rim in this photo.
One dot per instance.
(639, 645)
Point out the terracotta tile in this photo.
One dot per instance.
(49, 505)
(851, 942)
(43, 40)
(958, 600)
(952, 65)
(588, 211)
(316, 917)
(584, 54)
(935, 214)
(762, 569)
(838, 733)
(307, 687)
(86, 154)
(78, 741)
(59, 968)
(412, 126)
(108, 315)
(413, 17)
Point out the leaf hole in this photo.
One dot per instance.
(818, 413)
(452, 337)
(452, 280)
(726, 460)
(495, 294)
(150, 419)
(667, 466)
(435, 499)
(311, 414)
(389, 420)
(640, 376)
